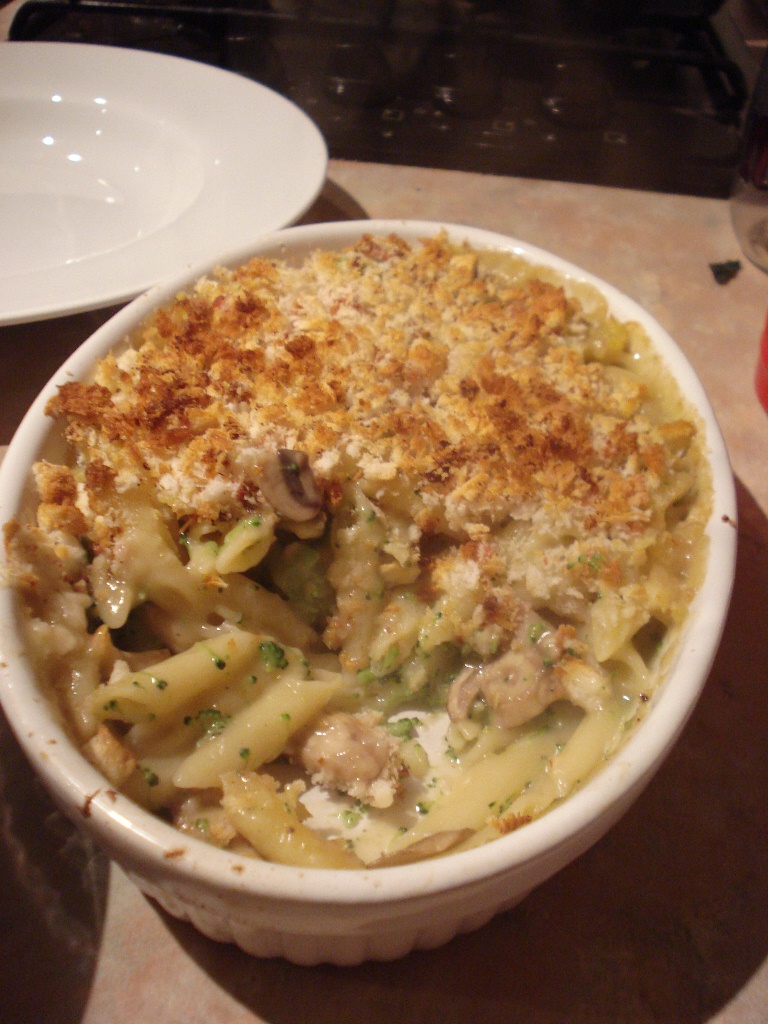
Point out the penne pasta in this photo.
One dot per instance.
(257, 811)
(174, 683)
(245, 544)
(481, 790)
(259, 733)
(151, 784)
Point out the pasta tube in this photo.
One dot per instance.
(171, 684)
(486, 784)
(272, 827)
(246, 544)
(259, 733)
(593, 740)
(151, 784)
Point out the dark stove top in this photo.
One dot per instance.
(626, 94)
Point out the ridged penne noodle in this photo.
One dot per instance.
(152, 784)
(259, 733)
(245, 544)
(592, 742)
(614, 620)
(273, 829)
(481, 789)
(174, 683)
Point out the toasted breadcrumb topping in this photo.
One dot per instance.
(383, 363)
(498, 415)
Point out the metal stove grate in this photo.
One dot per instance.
(536, 88)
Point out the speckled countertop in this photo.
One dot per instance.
(665, 921)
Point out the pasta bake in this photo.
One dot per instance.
(367, 559)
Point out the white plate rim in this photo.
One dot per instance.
(263, 162)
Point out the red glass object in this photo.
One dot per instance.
(761, 375)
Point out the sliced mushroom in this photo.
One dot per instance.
(527, 678)
(288, 485)
(517, 687)
(462, 693)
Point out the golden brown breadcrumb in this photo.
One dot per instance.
(385, 362)
(473, 396)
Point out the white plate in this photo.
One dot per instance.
(119, 168)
